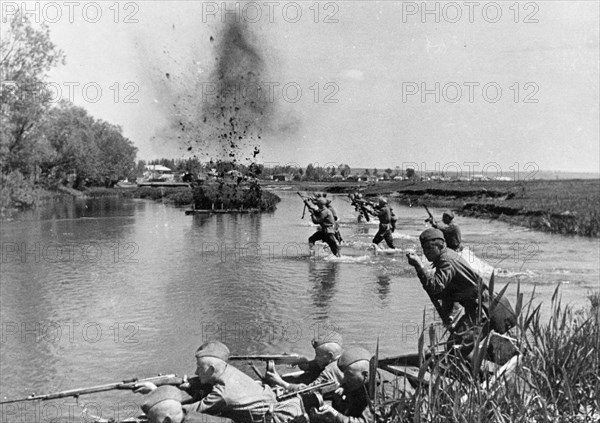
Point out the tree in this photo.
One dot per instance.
(116, 154)
(71, 134)
(88, 149)
(310, 173)
(346, 171)
(26, 54)
(410, 172)
(375, 172)
(389, 171)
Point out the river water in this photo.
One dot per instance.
(95, 291)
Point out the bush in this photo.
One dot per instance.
(557, 378)
(17, 192)
(233, 196)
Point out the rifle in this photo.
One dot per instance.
(305, 199)
(289, 359)
(309, 389)
(128, 384)
(431, 219)
(359, 205)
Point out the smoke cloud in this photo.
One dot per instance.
(218, 104)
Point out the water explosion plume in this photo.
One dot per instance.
(223, 112)
(238, 113)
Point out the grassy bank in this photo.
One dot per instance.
(558, 206)
(556, 380)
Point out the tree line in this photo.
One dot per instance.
(43, 144)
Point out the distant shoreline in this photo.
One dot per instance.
(565, 206)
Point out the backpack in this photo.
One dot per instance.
(393, 219)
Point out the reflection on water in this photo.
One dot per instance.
(383, 286)
(97, 290)
(322, 277)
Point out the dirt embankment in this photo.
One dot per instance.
(559, 206)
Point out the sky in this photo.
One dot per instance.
(487, 87)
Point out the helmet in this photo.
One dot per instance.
(448, 215)
(322, 201)
(382, 201)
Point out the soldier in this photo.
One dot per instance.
(354, 406)
(322, 216)
(338, 235)
(451, 231)
(323, 368)
(454, 281)
(234, 394)
(163, 405)
(386, 223)
(357, 201)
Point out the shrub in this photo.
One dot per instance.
(17, 192)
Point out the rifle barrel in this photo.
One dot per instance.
(305, 390)
(278, 358)
(126, 384)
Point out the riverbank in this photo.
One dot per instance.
(568, 207)
(206, 196)
(555, 379)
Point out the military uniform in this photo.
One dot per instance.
(451, 231)
(326, 233)
(238, 397)
(315, 376)
(452, 235)
(454, 281)
(354, 407)
(338, 235)
(384, 213)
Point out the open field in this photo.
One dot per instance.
(561, 206)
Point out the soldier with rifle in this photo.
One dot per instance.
(233, 395)
(454, 281)
(387, 223)
(323, 217)
(359, 206)
(323, 368)
(354, 404)
(451, 231)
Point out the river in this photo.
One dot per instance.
(95, 291)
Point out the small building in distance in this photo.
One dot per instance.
(158, 173)
(282, 177)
